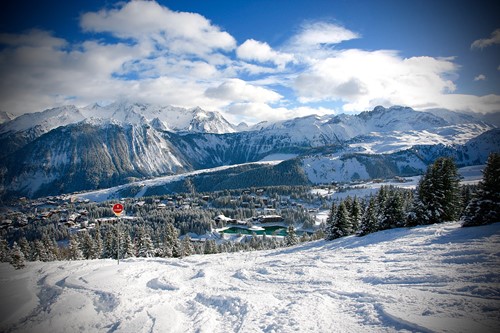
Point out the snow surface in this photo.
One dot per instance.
(438, 278)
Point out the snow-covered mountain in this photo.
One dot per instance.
(5, 117)
(69, 149)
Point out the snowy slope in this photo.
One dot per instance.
(438, 278)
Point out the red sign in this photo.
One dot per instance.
(118, 209)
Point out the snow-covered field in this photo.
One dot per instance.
(434, 278)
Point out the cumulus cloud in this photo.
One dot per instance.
(180, 32)
(165, 57)
(485, 42)
(236, 90)
(480, 77)
(261, 52)
(361, 78)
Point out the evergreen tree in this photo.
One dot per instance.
(4, 251)
(340, 224)
(210, 247)
(369, 220)
(25, 247)
(291, 238)
(484, 207)
(74, 252)
(171, 241)
(16, 257)
(109, 246)
(392, 214)
(39, 251)
(98, 244)
(87, 246)
(329, 225)
(355, 213)
(187, 246)
(128, 249)
(438, 194)
(144, 244)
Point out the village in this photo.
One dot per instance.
(203, 216)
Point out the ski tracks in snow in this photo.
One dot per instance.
(433, 278)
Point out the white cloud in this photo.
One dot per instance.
(180, 32)
(252, 113)
(319, 33)
(258, 51)
(362, 79)
(236, 90)
(480, 77)
(485, 42)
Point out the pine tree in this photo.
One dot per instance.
(355, 213)
(369, 221)
(484, 207)
(438, 194)
(128, 249)
(98, 244)
(392, 214)
(4, 251)
(187, 246)
(210, 247)
(291, 238)
(144, 244)
(87, 246)
(25, 247)
(171, 240)
(340, 224)
(16, 257)
(109, 246)
(329, 225)
(74, 252)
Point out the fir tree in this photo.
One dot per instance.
(144, 244)
(484, 207)
(171, 241)
(392, 214)
(187, 246)
(74, 252)
(16, 257)
(291, 238)
(128, 249)
(25, 247)
(210, 247)
(4, 251)
(355, 213)
(340, 224)
(438, 194)
(369, 221)
(87, 246)
(98, 244)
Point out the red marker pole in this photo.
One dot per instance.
(118, 210)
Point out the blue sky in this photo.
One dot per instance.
(251, 60)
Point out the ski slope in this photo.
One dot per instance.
(438, 278)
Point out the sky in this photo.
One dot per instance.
(251, 60)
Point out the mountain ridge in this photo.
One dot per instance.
(122, 142)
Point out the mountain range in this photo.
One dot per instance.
(68, 149)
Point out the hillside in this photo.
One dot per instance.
(439, 278)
